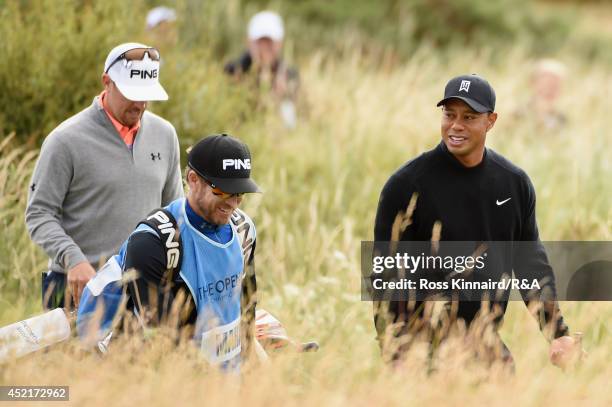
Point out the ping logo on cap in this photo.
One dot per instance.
(143, 74)
(465, 85)
(237, 164)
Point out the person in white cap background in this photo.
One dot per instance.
(160, 25)
(265, 34)
(547, 84)
(100, 171)
(542, 106)
(160, 15)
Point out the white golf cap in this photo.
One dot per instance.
(137, 80)
(266, 24)
(160, 14)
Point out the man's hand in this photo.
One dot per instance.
(566, 351)
(78, 276)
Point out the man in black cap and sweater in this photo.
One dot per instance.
(462, 191)
(202, 245)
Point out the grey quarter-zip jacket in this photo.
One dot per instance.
(89, 190)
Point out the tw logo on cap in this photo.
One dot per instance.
(236, 163)
(465, 85)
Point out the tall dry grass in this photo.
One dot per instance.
(321, 184)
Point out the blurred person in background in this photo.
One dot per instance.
(161, 26)
(467, 192)
(263, 60)
(546, 82)
(100, 171)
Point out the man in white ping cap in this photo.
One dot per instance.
(265, 34)
(100, 172)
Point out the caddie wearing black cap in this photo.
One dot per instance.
(202, 245)
(463, 191)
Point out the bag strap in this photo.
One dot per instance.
(165, 225)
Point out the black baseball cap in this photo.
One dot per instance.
(473, 90)
(225, 162)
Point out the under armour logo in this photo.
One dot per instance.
(155, 156)
(33, 187)
(465, 85)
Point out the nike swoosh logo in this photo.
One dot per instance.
(502, 202)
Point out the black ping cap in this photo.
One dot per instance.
(225, 162)
(473, 90)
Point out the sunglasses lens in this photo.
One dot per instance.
(139, 53)
(136, 54)
(225, 195)
(220, 193)
(154, 54)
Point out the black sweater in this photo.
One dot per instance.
(493, 201)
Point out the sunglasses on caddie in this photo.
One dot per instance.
(136, 54)
(218, 192)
